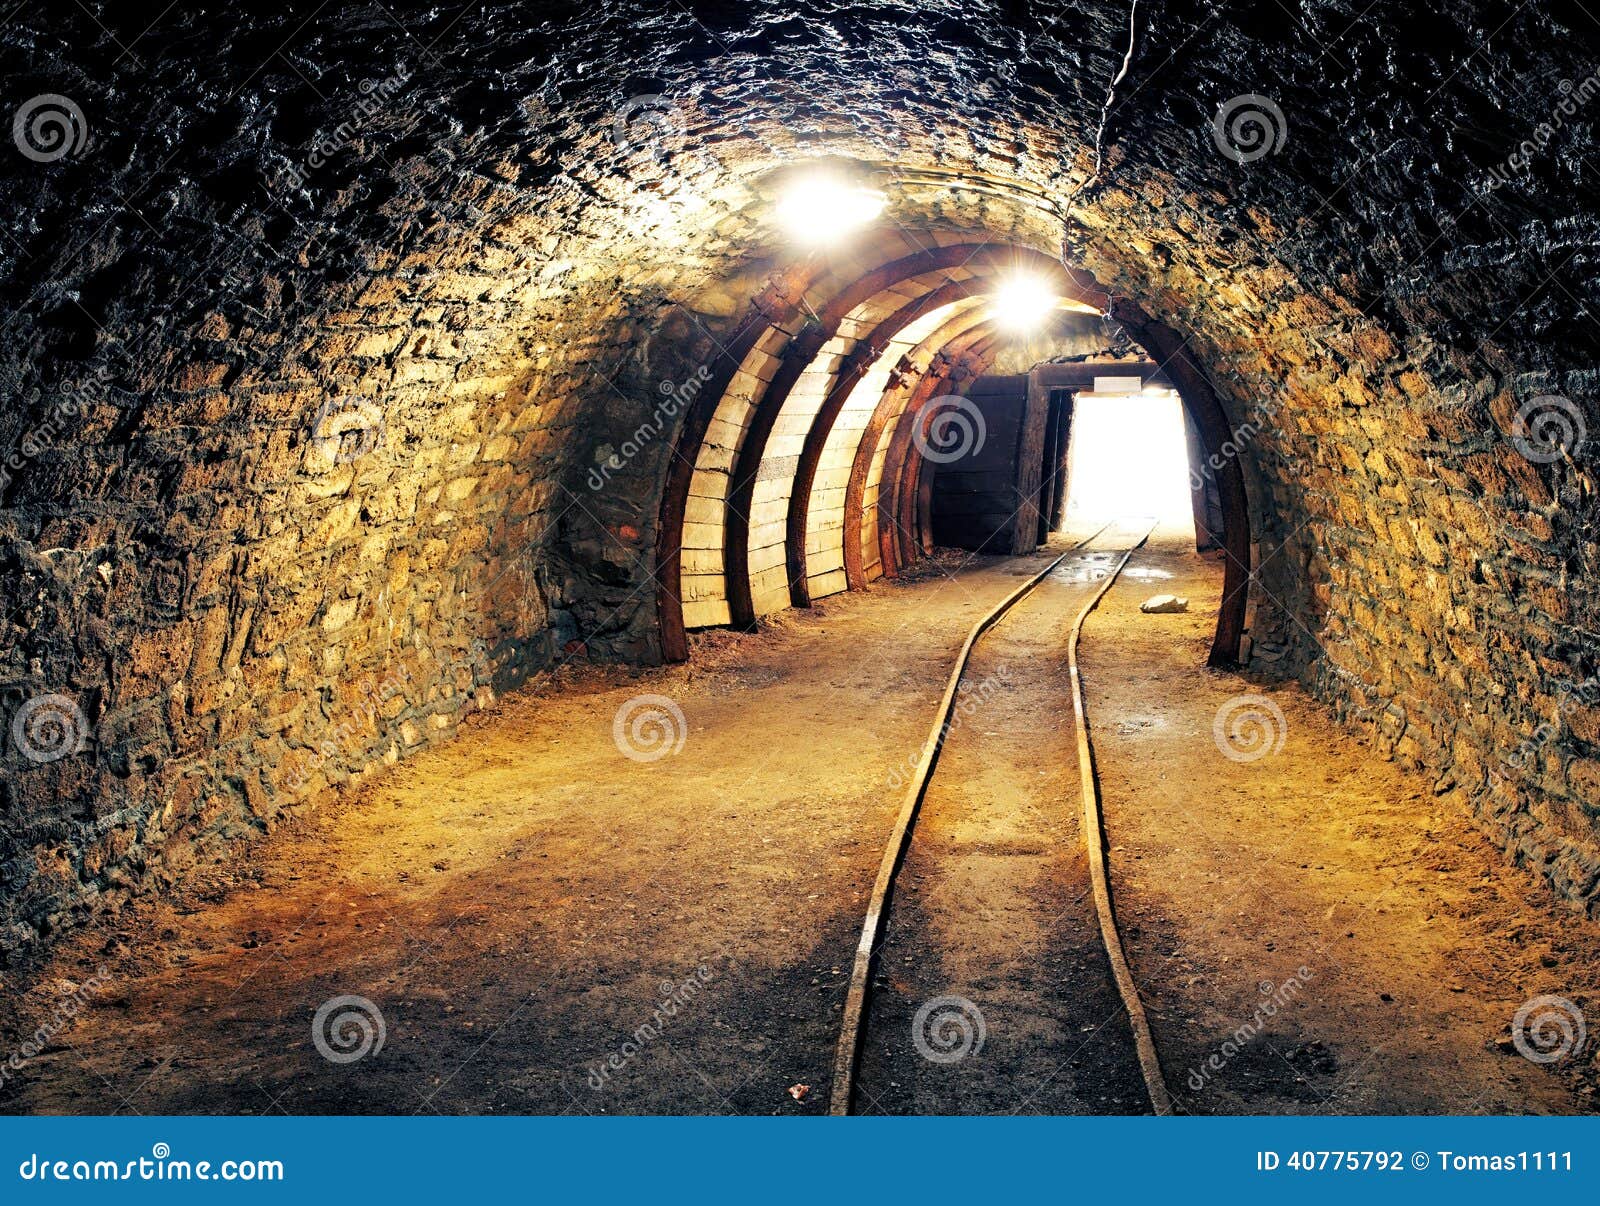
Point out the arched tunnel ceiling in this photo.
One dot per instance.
(316, 338)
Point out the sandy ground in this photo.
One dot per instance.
(994, 994)
(1418, 941)
(544, 924)
(532, 912)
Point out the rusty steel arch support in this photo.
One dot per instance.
(950, 366)
(896, 400)
(899, 539)
(804, 347)
(854, 367)
(919, 472)
(1171, 352)
(777, 303)
(902, 523)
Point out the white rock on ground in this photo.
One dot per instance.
(1164, 603)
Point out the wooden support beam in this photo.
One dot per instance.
(900, 523)
(1064, 404)
(974, 258)
(854, 366)
(775, 304)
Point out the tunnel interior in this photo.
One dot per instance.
(365, 367)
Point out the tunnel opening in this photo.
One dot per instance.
(854, 381)
(1128, 457)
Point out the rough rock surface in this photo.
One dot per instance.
(312, 343)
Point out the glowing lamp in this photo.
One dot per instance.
(1022, 302)
(819, 210)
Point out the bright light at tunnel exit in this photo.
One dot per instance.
(1128, 458)
(1022, 302)
(822, 209)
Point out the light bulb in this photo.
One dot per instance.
(819, 210)
(1022, 302)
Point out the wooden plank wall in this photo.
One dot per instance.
(1203, 491)
(989, 500)
(1053, 489)
(704, 593)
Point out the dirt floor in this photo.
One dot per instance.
(540, 923)
(993, 993)
(1418, 941)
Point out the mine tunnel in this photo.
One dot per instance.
(777, 558)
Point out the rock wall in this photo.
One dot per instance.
(319, 321)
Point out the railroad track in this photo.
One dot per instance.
(1083, 576)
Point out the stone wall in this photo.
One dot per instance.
(314, 340)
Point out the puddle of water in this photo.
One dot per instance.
(1081, 573)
